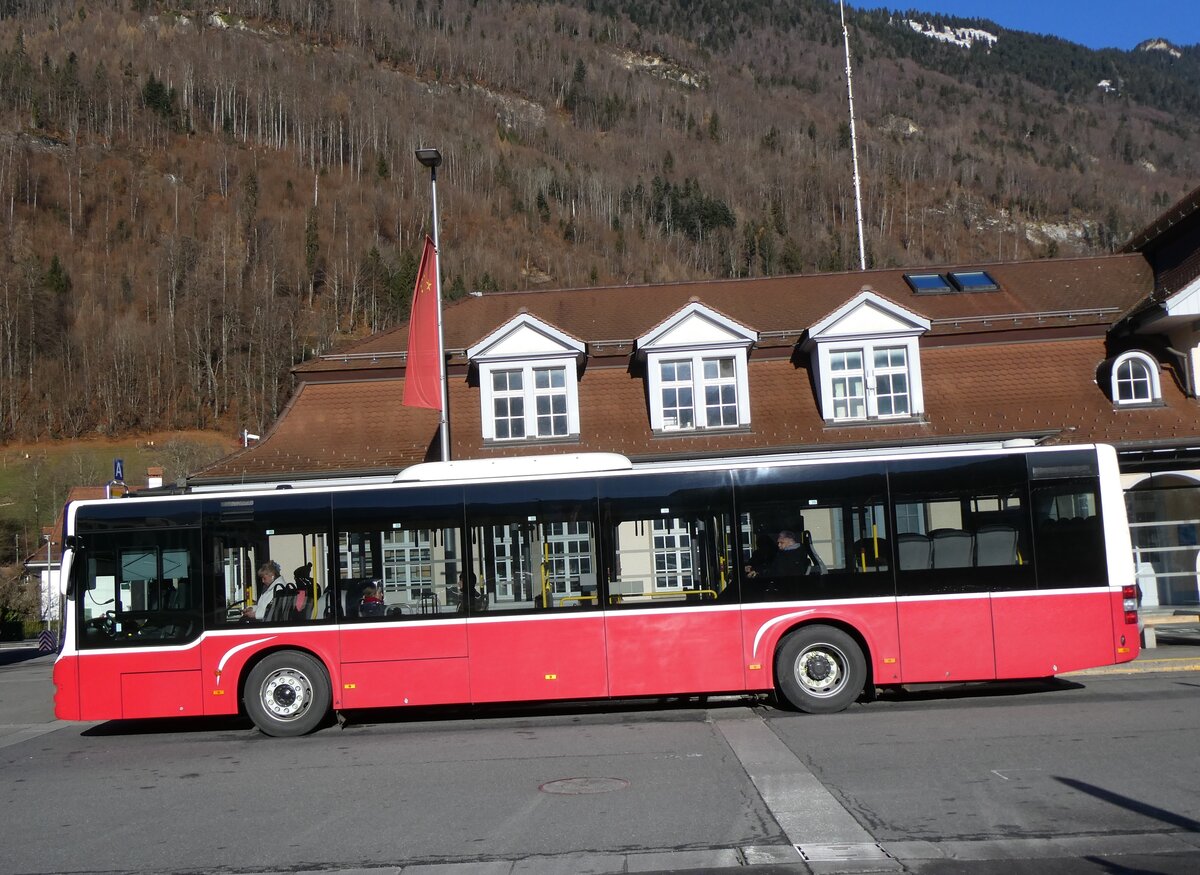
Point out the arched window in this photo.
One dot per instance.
(1135, 379)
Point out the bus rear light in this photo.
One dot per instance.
(1130, 606)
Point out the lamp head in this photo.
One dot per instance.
(429, 157)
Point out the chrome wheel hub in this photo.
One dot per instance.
(821, 671)
(286, 694)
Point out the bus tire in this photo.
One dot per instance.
(287, 694)
(820, 670)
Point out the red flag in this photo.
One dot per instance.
(423, 373)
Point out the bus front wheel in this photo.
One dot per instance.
(287, 694)
(820, 669)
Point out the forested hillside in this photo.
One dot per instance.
(196, 198)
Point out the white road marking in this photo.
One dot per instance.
(809, 814)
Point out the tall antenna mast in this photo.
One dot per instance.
(862, 249)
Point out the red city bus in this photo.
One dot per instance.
(817, 577)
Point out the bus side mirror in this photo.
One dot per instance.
(66, 577)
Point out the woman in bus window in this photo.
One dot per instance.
(269, 575)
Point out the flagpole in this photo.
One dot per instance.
(431, 158)
(862, 252)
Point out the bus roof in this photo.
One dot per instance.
(518, 466)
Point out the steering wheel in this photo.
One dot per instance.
(106, 624)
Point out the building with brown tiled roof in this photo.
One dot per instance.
(1102, 349)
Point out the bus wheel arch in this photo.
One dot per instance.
(287, 692)
(821, 667)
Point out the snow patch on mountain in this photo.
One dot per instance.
(1158, 45)
(966, 37)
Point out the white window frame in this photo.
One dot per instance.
(530, 394)
(887, 371)
(1152, 379)
(844, 378)
(679, 416)
(830, 401)
(509, 394)
(697, 358)
(674, 568)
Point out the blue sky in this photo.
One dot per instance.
(1099, 24)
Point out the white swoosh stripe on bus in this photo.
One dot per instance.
(782, 618)
(231, 651)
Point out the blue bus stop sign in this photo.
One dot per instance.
(119, 470)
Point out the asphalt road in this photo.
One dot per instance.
(1092, 773)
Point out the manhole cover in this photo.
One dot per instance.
(580, 786)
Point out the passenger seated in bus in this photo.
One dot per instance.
(760, 559)
(372, 603)
(468, 589)
(790, 560)
(269, 575)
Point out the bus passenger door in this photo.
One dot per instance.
(673, 623)
(266, 569)
(535, 628)
(961, 524)
(397, 596)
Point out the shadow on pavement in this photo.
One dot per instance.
(611, 710)
(605, 710)
(977, 690)
(1130, 804)
(13, 655)
(167, 726)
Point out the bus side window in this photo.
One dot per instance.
(1069, 534)
(535, 553)
(838, 509)
(668, 541)
(962, 525)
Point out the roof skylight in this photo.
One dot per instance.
(974, 281)
(927, 282)
(950, 283)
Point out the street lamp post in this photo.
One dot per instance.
(432, 158)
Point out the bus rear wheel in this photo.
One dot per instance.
(820, 670)
(287, 694)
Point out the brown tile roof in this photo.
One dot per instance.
(1169, 218)
(1091, 290)
(337, 428)
(1043, 388)
(1020, 361)
(1171, 245)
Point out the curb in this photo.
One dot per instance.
(1173, 664)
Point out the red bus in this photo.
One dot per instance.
(817, 577)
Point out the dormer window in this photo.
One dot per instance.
(528, 381)
(517, 392)
(699, 391)
(867, 360)
(870, 382)
(1135, 380)
(696, 371)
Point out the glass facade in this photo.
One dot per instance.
(1164, 523)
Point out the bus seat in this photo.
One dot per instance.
(915, 551)
(952, 548)
(996, 544)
